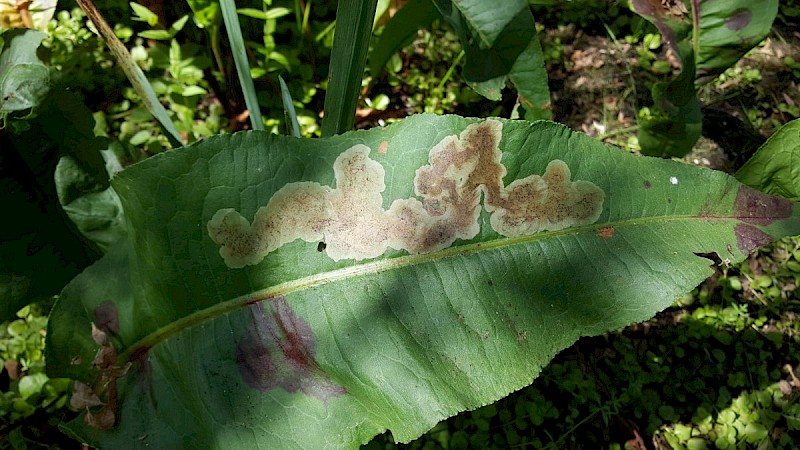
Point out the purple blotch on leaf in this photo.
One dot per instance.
(106, 318)
(647, 184)
(277, 351)
(739, 19)
(749, 238)
(758, 208)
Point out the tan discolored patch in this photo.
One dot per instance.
(352, 223)
(606, 232)
(384, 147)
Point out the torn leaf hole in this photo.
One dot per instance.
(712, 256)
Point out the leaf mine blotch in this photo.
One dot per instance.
(278, 350)
(739, 20)
(749, 238)
(350, 218)
(758, 208)
(106, 317)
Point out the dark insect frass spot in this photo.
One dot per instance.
(278, 350)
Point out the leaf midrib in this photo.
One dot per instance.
(375, 266)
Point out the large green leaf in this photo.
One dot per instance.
(89, 201)
(721, 31)
(775, 167)
(406, 298)
(40, 248)
(500, 43)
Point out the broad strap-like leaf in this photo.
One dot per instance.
(354, 20)
(231, 19)
(291, 293)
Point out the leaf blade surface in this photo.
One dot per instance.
(261, 354)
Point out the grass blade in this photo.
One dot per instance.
(133, 72)
(349, 54)
(240, 58)
(288, 108)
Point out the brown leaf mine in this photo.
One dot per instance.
(350, 218)
(100, 400)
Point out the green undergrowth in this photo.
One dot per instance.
(714, 371)
(31, 404)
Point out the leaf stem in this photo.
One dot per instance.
(696, 26)
(132, 71)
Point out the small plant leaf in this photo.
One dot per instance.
(270, 14)
(164, 35)
(501, 44)
(144, 14)
(24, 79)
(775, 167)
(206, 13)
(372, 291)
(399, 31)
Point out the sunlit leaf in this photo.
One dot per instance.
(391, 277)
